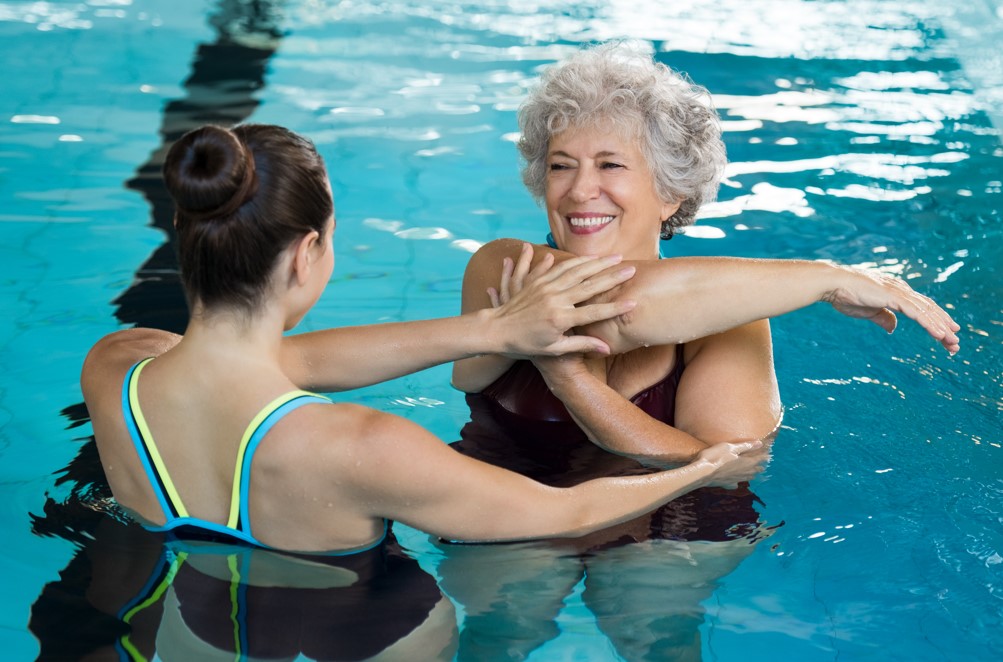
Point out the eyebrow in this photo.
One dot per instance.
(602, 154)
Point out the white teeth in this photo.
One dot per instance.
(590, 222)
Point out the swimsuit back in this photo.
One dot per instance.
(177, 519)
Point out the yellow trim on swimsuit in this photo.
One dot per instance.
(154, 452)
(265, 412)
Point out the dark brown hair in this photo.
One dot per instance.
(241, 197)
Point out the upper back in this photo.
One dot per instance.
(199, 423)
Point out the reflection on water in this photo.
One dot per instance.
(128, 594)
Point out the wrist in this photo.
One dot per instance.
(485, 333)
(832, 279)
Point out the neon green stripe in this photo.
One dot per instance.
(144, 431)
(248, 433)
(134, 653)
(231, 561)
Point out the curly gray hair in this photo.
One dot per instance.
(618, 86)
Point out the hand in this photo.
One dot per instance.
(734, 462)
(874, 296)
(537, 306)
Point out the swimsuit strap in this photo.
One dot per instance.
(149, 455)
(160, 479)
(259, 426)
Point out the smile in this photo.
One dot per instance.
(590, 223)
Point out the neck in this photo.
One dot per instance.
(234, 335)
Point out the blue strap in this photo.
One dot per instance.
(140, 443)
(252, 446)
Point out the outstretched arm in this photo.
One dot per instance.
(687, 298)
(681, 299)
(408, 475)
(535, 322)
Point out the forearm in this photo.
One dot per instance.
(534, 511)
(617, 425)
(605, 502)
(687, 298)
(476, 373)
(353, 357)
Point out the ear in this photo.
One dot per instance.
(669, 208)
(304, 255)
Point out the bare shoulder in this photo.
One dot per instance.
(498, 249)
(488, 258)
(367, 449)
(729, 389)
(111, 357)
(357, 429)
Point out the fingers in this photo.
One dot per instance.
(746, 446)
(598, 312)
(899, 296)
(885, 319)
(577, 269)
(583, 278)
(602, 282)
(522, 267)
(504, 287)
(934, 319)
(579, 345)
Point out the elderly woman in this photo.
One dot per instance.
(622, 152)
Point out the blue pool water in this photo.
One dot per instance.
(865, 132)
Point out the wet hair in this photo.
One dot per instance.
(241, 197)
(618, 86)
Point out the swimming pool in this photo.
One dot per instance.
(863, 132)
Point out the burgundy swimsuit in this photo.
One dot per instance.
(517, 423)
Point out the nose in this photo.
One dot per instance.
(586, 184)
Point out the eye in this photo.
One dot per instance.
(556, 167)
(610, 165)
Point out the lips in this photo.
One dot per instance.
(588, 224)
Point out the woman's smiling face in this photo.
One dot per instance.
(601, 195)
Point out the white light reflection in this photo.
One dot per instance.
(764, 197)
(861, 30)
(34, 119)
(876, 194)
(948, 272)
(899, 168)
(397, 229)
(704, 232)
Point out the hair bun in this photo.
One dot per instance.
(209, 173)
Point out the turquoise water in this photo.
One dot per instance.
(862, 132)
